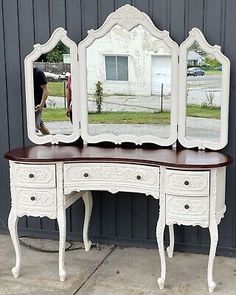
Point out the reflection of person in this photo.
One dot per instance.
(40, 97)
(69, 98)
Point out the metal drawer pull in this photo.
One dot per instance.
(32, 198)
(186, 182)
(139, 177)
(186, 206)
(31, 175)
(86, 175)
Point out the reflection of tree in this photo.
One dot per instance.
(55, 55)
(209, 60)
(196, 47)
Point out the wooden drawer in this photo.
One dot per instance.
(34, 175)
(187, 210)
(192, 183)
(113, 177)
(36, 202)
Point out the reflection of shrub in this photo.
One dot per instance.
(99, 96)
(208, 103)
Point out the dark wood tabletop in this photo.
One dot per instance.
(153, 157)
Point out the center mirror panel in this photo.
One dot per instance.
(130, 78)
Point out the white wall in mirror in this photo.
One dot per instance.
(137, 65)
(60, 131)
(203, 94)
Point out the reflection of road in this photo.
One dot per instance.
(196, 128)
(130, 103)
(62, 127)
(200, 87)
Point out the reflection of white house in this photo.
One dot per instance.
(129, 62)
(194, 59)
(66, 58)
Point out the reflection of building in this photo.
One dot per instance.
(66, 58)
(129, 62)
(194, 59)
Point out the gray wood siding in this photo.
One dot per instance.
(124, 218)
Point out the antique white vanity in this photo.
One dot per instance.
(144, 75)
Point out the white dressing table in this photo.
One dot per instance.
(132, 60)
(46, 180)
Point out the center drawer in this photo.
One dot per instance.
(122, 176)
(194, 183)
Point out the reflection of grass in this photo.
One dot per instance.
(59, 114)
(56, 88)
(198, 111)
(54, 114)
(130, 118)
(213, 72)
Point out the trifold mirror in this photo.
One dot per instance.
(132, 83)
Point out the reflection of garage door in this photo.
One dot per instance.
(161, 74)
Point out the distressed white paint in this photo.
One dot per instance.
(139, 45)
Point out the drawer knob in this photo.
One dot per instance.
(186, 206)
(186, 182)
(31, 175)
(32, 198)
(86, 175)
(139, 177)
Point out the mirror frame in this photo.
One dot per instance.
(127, 17)
(196, 35)
(58, 35)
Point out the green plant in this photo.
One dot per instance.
(208, 103)
(99, 96)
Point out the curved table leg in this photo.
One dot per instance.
(170, 248)
(214, 240)
(61, 219)
(88, 203)
(160, 240)
(12, 225)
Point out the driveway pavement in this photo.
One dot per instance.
(110, 271)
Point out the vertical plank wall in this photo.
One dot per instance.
(123, 218)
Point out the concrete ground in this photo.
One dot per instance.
(110, 271)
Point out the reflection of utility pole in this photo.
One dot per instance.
(161, 98)
(64, 86)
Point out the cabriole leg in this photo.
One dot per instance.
(170, 249)
(88, 204)
(12, 225)
(160, 240)
(61, 219)
(214, 240)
